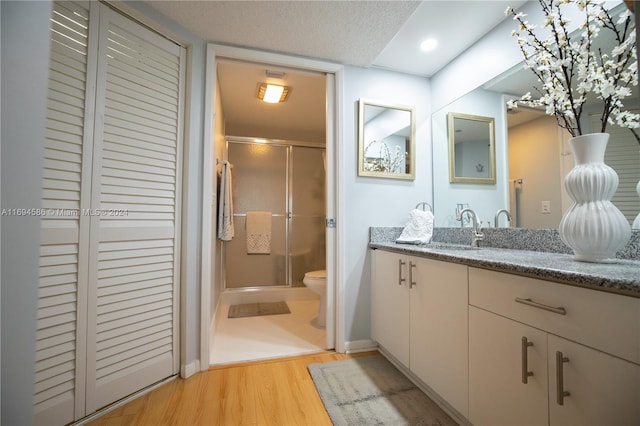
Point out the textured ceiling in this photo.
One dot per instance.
(348, 32)
(385, 34)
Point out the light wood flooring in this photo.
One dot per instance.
(278, 392)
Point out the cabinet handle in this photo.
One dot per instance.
(411, 281)
(525, 360)
(561, 393)
(559, 310)
(400, 265)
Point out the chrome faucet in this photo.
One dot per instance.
(476, 235)
(506, 212)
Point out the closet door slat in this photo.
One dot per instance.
(623, 156)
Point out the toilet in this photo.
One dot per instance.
(316, 281)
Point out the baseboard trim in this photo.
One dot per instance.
(355, 346)
(190, 369)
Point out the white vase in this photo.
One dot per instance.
(593, 227)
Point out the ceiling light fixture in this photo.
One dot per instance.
(272, 93)
(429, 44)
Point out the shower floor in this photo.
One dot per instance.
(264, 337)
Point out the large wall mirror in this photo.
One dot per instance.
(532, 154)
(472, 155)
(386, 140)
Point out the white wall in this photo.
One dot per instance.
(534, 157)
(484, 199)
(374, 201)
(25, 64)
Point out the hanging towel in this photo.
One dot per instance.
(226, 229)
(258, 232)
(419, 228)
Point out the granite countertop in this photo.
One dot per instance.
(621, 276)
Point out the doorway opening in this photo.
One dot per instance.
(293, 143)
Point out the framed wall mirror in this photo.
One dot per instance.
(472, 156)
(386, 140)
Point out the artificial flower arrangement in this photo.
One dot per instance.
(571, 68)
(384, 162)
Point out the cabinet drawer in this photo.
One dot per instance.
(605, 321)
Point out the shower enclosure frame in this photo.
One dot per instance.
(288, 215)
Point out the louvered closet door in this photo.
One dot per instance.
(623, 156)
(107, 301)
(61, 327)
(132, 335)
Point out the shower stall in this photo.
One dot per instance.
(286, 181)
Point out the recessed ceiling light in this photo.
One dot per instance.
(429, 44)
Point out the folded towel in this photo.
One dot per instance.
(419, 228)
(258, 232)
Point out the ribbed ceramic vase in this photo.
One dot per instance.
(593, 227)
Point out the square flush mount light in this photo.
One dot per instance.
(272, 93)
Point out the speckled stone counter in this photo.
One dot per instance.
(622, 276)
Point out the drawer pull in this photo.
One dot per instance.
(411, 281)
(525, 360)
(559, 310)
(561, 393)
(400, 265)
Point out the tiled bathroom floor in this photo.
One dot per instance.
(270, 336)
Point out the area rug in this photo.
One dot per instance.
(371, 391)
(258, 309)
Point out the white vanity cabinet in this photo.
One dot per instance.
(419, 316)
(497, 393)
(601, 389)
(390, 303)
(544, 353)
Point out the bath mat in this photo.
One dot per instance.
(371, 391)
(258, 309)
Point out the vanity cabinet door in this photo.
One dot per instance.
(498, 357)
(603, 390)
(439, 328)
(390, 303)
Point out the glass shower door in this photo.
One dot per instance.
(308, 207)
(259, 184)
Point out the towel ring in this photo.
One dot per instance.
(424, 205)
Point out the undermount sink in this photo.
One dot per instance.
(449, 246)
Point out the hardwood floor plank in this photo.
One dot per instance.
(238, 397)
(278, 392)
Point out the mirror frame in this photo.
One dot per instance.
(410, 160)
(491, 180)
